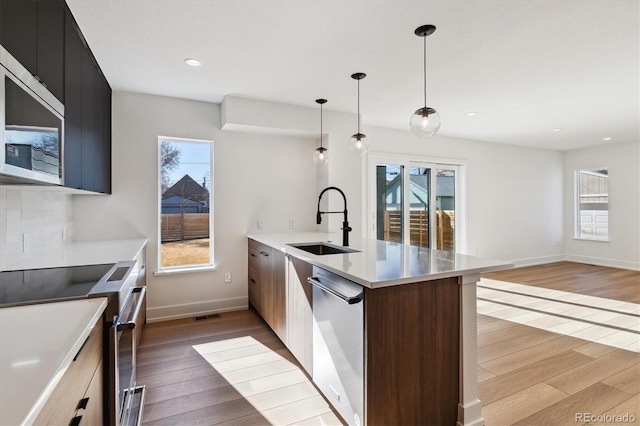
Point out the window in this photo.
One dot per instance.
(592, 204)
(185, 204)
(402, 192)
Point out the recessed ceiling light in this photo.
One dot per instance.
(557, 129)
(193, 62)
(606, 139)
(471, 113)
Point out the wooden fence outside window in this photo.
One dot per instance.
(419, 228)
(187, 226)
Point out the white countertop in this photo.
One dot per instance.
(382, 263)
(37, 345)
(84, 253)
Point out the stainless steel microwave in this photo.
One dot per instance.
(31, 127)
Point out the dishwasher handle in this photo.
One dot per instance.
(351, 300)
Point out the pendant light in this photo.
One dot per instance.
(425, 121)
(320, 154)
(359, 143)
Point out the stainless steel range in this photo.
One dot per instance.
(123, 284)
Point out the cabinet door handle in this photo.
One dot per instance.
(264, 253)
(75, 421)
(82, 347)
(252, 280)
(83, 403)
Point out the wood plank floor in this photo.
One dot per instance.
(568, 364)
(234, 370)
(231, 369)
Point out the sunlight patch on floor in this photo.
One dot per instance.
(275, 386)
(605, 321)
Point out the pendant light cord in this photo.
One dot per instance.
(425, 71)
(358, 107)
(320, 125)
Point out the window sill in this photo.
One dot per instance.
(185, 270)
(591, 239)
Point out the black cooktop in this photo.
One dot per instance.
(51, 284)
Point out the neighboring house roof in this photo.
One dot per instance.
(419, 184)
(188, 188)
(176, 200)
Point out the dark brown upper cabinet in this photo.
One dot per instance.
(44, 37)
(73, 53)
(87, 140)
(33, 32)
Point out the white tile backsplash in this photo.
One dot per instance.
(41, 214)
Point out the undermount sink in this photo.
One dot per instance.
(321, 249)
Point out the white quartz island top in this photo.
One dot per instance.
(37, 345)
(78, 253)
(381, 263)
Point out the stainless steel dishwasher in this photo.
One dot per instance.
(338, 343)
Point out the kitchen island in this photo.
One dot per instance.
(420, 342)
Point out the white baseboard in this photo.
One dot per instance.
(165, 313)
(537, 260)
(470, 414)
(612, 263)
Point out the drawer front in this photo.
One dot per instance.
(64, 402)
(92, 412)
(254, 294)
(255, 262)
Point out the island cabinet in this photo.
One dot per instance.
(411, 334)
(267, 285)
(412, 353)
(280, 293)
(78, 398)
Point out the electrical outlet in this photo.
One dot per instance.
(227, 277)
(259, 225)
(292, 224)
(26, 242)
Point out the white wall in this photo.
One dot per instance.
(43, 215)
(514, 195)
(255, 177)
(623, 247)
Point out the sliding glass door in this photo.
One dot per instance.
(414, 202)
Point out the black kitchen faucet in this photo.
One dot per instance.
(345, 224)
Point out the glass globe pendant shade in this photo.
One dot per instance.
(320, 156)
(359, 144)
(425, 122)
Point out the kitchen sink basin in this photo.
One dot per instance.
(321, 249)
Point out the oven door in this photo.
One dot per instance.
(130, 397)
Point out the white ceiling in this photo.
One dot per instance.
(525, 67)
